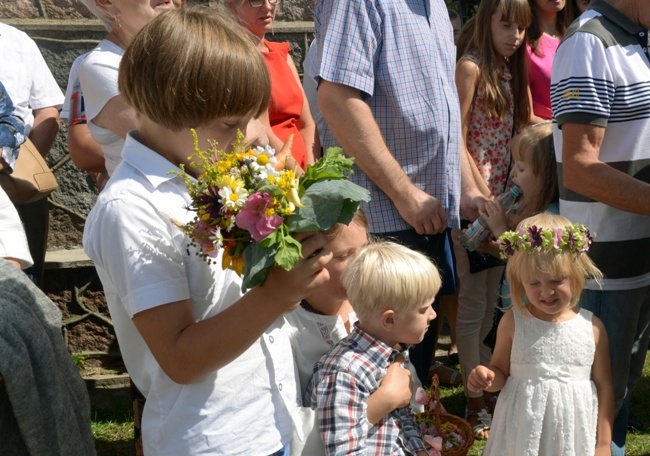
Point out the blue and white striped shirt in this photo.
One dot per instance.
(601, 77)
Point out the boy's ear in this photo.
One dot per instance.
(387, 319)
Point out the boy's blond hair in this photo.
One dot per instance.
(385, 275)
(524, 266)
(188, 67)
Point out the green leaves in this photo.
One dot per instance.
(326, 203)
(328, 197)
(333, 165)
(279, 248)
(258, 260)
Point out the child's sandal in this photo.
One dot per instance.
(484, 421)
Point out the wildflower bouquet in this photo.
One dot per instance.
(249, 210)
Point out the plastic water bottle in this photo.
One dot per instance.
(479, 230)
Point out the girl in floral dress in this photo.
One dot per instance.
(492, 86)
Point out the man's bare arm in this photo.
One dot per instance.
(583, 172)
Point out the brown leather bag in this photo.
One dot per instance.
(31, 179)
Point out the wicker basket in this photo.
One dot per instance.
(440, 418)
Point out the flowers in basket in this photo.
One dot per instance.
(438, 436)
(248, 209)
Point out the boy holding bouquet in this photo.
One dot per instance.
(214, 366)
(391, 288)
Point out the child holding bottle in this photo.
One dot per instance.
(534, 171)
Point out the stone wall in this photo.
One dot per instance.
(289, 10)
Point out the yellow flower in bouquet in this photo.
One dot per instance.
(247, 210)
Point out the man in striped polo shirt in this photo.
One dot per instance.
(600, 93)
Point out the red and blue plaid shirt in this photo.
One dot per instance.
(343, 380)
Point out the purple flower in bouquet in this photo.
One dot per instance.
(258, 216)
(210, 201)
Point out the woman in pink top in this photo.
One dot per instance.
(550, 20)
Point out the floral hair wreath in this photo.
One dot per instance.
(574, 238)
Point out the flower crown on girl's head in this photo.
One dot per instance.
(574, 238)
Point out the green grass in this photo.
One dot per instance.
(113, 427)
(638, 442)
(113, 438)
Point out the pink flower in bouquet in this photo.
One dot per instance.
(258, 216)
(206, 238)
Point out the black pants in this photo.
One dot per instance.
(36, 220)
(438, 247)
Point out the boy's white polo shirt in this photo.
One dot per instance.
(144, 261)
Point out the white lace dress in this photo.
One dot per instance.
(548, 406)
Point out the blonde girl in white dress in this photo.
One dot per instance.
(551, 359)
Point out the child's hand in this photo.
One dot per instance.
(397, 384)
(480, 379)
(495, 216)
(290, 287)
(394, 392)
